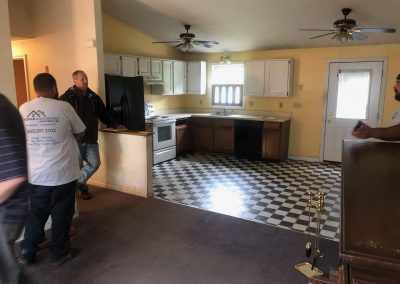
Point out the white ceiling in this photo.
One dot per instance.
(240, 25)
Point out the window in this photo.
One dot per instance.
(353, 94)
(227, 84)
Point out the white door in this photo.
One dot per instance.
(353, 94)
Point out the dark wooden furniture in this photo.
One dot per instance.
(370, 212)
(275, 140)
(182, 136)
(224, 135)
(213, 134)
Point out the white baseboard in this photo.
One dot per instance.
(129, 190)
(304, 158)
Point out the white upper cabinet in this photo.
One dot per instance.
(129, 66)
(278, 77)
(150, 68)
(112, 64)
(268, 77)
(179, 78)
(144, 66)
(156, 69)
(168, 77)
(254, 78)
(196, 77)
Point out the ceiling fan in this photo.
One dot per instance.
(186, 41)
(346, 29)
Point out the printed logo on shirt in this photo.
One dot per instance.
(41, 129)
(36, 114)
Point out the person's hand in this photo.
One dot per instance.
(363, 132)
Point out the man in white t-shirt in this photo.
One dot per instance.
(51, 128)
(390, 133)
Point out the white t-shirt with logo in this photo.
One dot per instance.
(53, 154)
(395, 119)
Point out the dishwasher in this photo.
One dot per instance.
(248, 139)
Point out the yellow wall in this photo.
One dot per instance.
(309, 80)
(309, 88)
(62, 31)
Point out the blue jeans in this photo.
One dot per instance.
(10, 272)
(89, 161)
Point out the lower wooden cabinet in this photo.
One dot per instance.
(275, 140)
(213, 135)
(224, 135)
(182, 139)
(218, 135)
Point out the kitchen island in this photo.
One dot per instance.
(126, 162)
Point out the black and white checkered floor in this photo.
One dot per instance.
(266, 192)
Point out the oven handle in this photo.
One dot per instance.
(162, 152)
(164, 122)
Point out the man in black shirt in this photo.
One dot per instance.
(14, 196)
(90, 109)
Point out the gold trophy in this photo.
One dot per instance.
(306, 268)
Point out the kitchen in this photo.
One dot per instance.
(306, 107)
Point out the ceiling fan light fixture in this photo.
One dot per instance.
(225, 60)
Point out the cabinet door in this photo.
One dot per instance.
(179, 86)
(112, 64)
(156, 69)
(144, 66)
(254, 78)
(276, 140)
(224, 136)
(182, 139)
(129, 66)
(167, 77)
(203, 134)
(196, 77)
(278, 77)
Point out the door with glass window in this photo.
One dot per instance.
(353, 94)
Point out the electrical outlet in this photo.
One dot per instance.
(251, 103)
(297, 105)
(280, 104)
(201, 101)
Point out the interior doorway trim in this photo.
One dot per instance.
(325, 100)
(23, 58)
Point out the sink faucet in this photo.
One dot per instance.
(225, 110)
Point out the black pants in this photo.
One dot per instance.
(59, 203)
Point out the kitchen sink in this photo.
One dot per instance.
(221, 113)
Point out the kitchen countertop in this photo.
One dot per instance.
(230, 116)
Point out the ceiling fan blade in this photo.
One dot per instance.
(376, 30)
(179, 44)
(316, 30)
(172, 41)
(202, 43)
(357, 35)
(207, 41)
(323, 35)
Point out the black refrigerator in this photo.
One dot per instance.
(125, 101)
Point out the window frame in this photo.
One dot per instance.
(212, 88)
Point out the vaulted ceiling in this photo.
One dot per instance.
(240, 25)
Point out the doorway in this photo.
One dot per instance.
(21, 82)
(354, 91)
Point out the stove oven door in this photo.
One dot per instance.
(164, 134)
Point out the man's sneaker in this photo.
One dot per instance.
(84, 191)
(85, 195)
(72, 252)
(26, 257)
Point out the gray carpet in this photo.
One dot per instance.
(127, 239)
